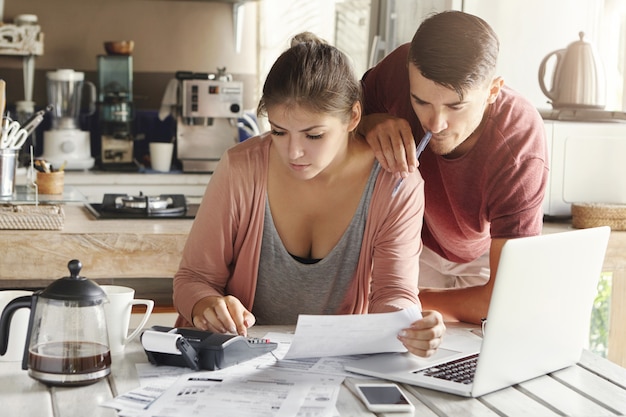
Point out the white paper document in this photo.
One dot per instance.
(256, 393)
(253, 388)
(269, 386)
(353, 334)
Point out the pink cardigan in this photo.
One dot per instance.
(221, 255)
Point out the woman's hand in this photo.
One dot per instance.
(222, 315)
(424, 336)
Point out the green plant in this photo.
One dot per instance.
(600, 315)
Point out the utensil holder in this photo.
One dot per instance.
(8, 168)
(50, 183)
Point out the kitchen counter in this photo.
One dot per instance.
(143, 248)
(142, 254)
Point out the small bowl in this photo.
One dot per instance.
(119, 47)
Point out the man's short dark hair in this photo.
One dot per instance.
(455, 49)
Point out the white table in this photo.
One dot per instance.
(594, 387)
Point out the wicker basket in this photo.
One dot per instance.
(31, 217)
(585, 215)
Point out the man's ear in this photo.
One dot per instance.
(494, 89)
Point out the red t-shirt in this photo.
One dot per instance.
(496, 190)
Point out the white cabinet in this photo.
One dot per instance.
(586, 164)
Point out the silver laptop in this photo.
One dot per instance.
(538, 320)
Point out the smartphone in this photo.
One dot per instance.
(383, 397)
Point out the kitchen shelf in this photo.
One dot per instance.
(94, 184)
(25, 40)
(20, 40)
(26, 195)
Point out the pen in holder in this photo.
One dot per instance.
(49, 180)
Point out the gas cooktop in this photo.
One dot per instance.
(124, 206)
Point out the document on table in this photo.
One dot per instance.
(256, 393)
(268, 386)
(320, 336)
(252, 388)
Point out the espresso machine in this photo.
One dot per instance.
(66, 144)
(115, 101)
(206, 125)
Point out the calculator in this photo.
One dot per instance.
(199, 349)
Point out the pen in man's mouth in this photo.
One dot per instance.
(418, 151)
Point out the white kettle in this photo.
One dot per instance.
(578, 79)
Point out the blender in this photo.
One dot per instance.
(66, 144)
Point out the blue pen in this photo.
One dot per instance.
(418, 151)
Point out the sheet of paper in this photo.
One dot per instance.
(333, 365)
(260, 393)
(155, 380)
(351, 334)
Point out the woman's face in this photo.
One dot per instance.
(309, 142)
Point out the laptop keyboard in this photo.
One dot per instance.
(460, 370)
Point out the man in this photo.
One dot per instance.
(485, 167)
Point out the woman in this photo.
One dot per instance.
(301, 220)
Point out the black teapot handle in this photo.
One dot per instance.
(5, 320)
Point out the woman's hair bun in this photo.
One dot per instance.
(307, 37)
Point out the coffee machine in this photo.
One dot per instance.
(115, 100)
(66, 144)
(206, 126)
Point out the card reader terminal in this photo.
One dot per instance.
(198, 349)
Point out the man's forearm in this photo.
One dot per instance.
(468, 304)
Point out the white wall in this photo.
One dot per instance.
(169, 35)
(530, 29)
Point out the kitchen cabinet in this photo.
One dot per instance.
(586, 164)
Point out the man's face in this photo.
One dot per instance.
(450, 120)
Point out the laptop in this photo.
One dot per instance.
(538, 319)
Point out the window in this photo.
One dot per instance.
(612, 51)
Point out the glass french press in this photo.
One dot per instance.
(67, 342)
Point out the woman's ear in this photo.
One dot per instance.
(355, 116)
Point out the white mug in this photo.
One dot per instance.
(161, 155)
(18, 326)
(118, 311)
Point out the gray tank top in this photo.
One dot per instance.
(287, 287)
